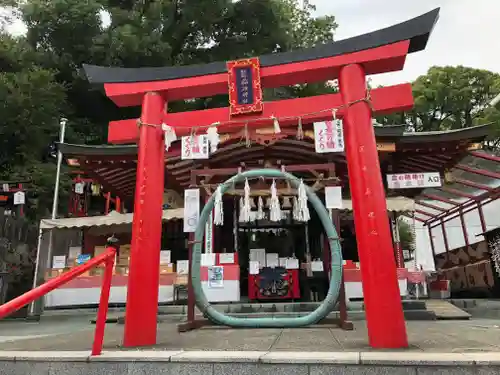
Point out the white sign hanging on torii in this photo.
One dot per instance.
(194, 147)
(329, 136)
(414, 180)
(191, 209)
(19, 198)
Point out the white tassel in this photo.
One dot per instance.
(242, 209)
(219, 210)
(295, 211)
(276, 124)
(170, 135)
(260, 209)
(275, 210)
(302, 200)
(247, 208)
(213, 138)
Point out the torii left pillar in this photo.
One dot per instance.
(143, 281)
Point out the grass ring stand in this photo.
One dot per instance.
(315, 316)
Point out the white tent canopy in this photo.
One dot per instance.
(112, 219)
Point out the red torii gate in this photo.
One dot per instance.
(348, 60)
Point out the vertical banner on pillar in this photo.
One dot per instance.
(209, 234)
(191, 209)
(328, 136)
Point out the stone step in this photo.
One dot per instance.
(445, 310)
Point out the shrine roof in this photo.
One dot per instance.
(399, 152)
(416, 30)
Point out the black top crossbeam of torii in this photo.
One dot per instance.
(416, 30)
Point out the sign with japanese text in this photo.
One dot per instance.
(209, 232)
(245, 91)
(414, 180)
(191, 209)
(194, 147)
(328, 136)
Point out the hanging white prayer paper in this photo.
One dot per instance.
(79, 186)
(226, 258)
(272, 260)
(194, 147)
(317, 266)
(207, 260)
(333, 197)
(165, 257)
(182, 267)
(254, 267)
(191, 209)
(328, 136)
(19, 198)
(216, 277)
(59, 262)
(5, 187)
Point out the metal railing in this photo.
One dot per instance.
(108, 259)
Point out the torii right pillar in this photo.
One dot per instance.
(383, 306)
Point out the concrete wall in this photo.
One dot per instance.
(248, 363)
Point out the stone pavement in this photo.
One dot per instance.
(76, 334)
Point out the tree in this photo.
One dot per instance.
(450, 98)
(41, 77)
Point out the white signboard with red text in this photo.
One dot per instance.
(414, 180)
(194, 147)
(328, 136)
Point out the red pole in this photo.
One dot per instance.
(144, 276)
(108, 199)
(384, 310)
(102, 313)
(28, 297)
(118, 204)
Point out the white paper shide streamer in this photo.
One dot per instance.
(170, 135)
(303, 209)
(213, 138)
(295, 211)
(218, 210)
(260, 209)
(242, 211)
(275, 209)
(247, 207)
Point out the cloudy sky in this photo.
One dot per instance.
(467, 32)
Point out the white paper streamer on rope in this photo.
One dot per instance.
(170, 135)
(295, 211)
(242, 207)
(276, 125)
(274, 210)
(246, 203)
(302, 200)
(219, 210)
(213, 138)
(260, 209)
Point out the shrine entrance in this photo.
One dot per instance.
(349, 61)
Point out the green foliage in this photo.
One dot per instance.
(41, 78)
(451, 98)
(406, 235)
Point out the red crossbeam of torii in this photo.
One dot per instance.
(350, 61)
(383, 100)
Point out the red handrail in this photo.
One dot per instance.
(108, 258)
